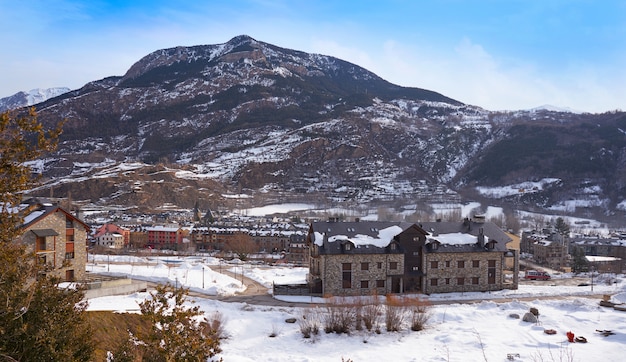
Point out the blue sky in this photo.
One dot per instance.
(497, 54)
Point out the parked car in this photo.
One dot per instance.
(536, 275)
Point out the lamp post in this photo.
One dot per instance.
(202, 277)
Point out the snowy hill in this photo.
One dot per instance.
(32, 97)
(284, 124)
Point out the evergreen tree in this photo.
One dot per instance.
(38, 320)
(579, 261)
(179, 332)
(562, 227)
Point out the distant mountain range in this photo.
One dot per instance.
(195, 123)
(34, 96)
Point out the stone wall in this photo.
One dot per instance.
(448, 272)
(56, 245)
(331, 272)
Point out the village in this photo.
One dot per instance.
(344, 257)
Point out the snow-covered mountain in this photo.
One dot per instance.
(34, 96)
(279, 123)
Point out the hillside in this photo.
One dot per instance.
(247, 116)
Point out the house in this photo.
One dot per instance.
(364, 257)
(110, 240)
(548, 248)
(167, 237)
(614, 247)
(114, 229)
(56, 237)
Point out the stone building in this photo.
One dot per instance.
(358, 258)
(57, 238)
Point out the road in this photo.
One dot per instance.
(257, 294)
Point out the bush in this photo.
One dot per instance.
(309, 323)
(420, 314)
(370, 313)
(339, 316)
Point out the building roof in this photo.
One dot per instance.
(34, 210)
(375, 236)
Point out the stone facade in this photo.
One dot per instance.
(435, 257)
(361, 274)
(59, 240)
(463, 272)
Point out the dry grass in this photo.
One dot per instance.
(110, 330)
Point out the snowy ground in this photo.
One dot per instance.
(483, 331)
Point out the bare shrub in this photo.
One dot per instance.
(216, 323)
(339, 316)
(394, 313)
(420, 313)
(309, 323)
(370, 313)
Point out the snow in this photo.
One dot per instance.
(277, 209)
(480, 331)
(457, 239)
(384, 237)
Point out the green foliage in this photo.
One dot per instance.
(179, 332)
(22, 139)
(50, 325)
(39, 321)
(579, 262)
(561, 226)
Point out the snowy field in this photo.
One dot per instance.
(483, 331)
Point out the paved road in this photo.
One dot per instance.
(257, 294)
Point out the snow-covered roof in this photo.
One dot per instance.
(379, 238)
(457, 239)
(594, 259)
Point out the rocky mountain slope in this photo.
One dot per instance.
(247, 116)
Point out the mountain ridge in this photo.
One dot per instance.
(34, 96)
(253, 116)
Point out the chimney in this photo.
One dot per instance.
(481, 238)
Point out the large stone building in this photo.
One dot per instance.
(360, 258)
(57, 238)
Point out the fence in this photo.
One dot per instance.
(291, 289)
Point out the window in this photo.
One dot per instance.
(460, 264)
(346, 246)
(474, 280)
(69, 251)
(434, 264)
(416, 268)
(460, 281)
(433, 282)
(69, 275)
(346, 278)
(365, 284)
(447, 263)
(393, 265)
(447, 281)
(416, 253)
(393, 246)
(475, 263)
(41, 243)
(491, 272)
(365, 266)
(380, 283)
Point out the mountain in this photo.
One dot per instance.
(197, 123)
(34, 96)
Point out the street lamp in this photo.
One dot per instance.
(202, 277)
